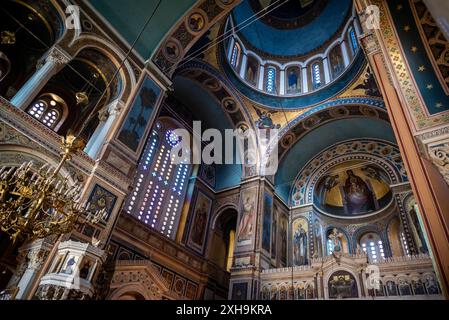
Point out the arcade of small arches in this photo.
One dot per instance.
(293, 76)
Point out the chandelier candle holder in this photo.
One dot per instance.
(36, 204)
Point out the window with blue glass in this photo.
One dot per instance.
(235, 57)
(160, 185)
(270, 85)
(317, 80)
(353, 40)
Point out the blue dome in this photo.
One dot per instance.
(293, 41)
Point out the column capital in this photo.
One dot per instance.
(116, 107)
(57, 56)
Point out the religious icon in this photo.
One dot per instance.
(293, 81)
(196, 22)
(300, 246)
(84, 272)
(251, 71)
(200, 220)
(199, 226)
(342, 285)
(358, 196)
(69, 266)
(246, 223)
(337, 245)
(265, 121)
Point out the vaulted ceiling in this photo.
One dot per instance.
(128, 17)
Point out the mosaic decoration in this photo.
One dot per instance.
(188, 31)
(101, 198)
(436, 44)
(139, 114)
(199, 226)
(382, 153)
(207, 173)
(432, 92)
(414, 51)
(267, 221)
(300, 242)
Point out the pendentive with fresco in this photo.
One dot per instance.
(361, 165)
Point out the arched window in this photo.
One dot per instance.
(235, 57)
(160, 185)
(48, 110)
(372, 245)
(317, 79)
(270, 83)
(293, 80)
(353, 40)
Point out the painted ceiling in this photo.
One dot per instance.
(292, 42)
(128, 18)
(207, 109)
(322, 138)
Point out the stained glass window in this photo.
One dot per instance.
(372, 245)
(353, 38)
(159, 185)
(316, 75)
(235, 57)
(271, 80)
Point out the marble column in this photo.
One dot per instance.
(345, 53)
(282, 83)
(261, 78)
(305, 80)
(243, 66)
(108, 118)
(327, 75)
(51, 64)
(31, 259)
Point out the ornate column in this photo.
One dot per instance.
(305, 80)
(430, 190)
(344, 51)
(31, 258)
(251, 254)
(243, 66)
(55, 60)
(261, 78)
(326, 67)
(282, 83)
(108, 119)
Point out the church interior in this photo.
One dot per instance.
(344, 195)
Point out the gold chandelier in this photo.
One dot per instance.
(35, 204)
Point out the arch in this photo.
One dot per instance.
(111, 52)
(395, 233)
(347, 246)
(341, 270)
(130, 290)
(32, 154)
(222, 238)
(302, 190)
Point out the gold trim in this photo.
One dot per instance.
(47, 24)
